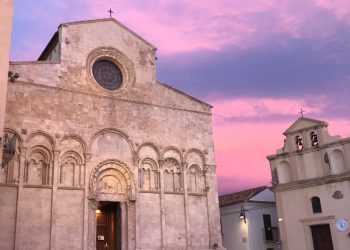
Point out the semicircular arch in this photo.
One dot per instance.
(45, 134)
(116, 168)
(113, 131)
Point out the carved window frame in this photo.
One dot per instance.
(115, 56)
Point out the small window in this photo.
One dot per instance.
(299, 142)
(316, 205)
(314, 139)
(267, 227)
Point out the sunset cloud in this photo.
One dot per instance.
(257, 62)
(247, 130)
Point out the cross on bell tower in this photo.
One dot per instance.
(302, 112)
(110, 12)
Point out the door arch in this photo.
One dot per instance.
(112, 181)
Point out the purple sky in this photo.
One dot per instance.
(258, 62)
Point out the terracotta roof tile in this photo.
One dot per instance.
(241, 196)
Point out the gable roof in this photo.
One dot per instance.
(241, 196)
(304, 123)
(49, 47)
(184, 94)
(110, 20)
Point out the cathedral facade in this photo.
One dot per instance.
(98, 154)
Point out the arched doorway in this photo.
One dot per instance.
(112, 209)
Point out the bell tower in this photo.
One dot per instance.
(6, 14)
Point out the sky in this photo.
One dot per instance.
(257, 62)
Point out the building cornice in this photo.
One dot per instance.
(312, 182)
(308, 150)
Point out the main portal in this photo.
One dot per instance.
(108, 226)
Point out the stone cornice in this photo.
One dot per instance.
(308, 150)
(109, 97)
(312, 182)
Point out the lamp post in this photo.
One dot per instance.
(242, 214)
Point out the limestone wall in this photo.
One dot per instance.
(6, 13)
(8, 203)
(147, 146)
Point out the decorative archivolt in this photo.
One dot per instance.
(195, 179)
(112, 176)
(172, 152)
(118, 58)
(149, 175)
(46, 135)
(38, 167)
(194, 155)
(77, 138)
(149, 145)
(71, 170)
(173, 175)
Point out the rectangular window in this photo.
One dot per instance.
(267, 227)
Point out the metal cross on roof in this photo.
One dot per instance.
(302, 112)
(110, 12)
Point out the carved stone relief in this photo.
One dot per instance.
(112, 177)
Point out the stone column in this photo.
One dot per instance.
(87, 208)
(56, 165)
(22, 164)
(137, 205)
(215, 240)
(91, 230)
(124, 226)
(131, 213)
(186, 203)
(6, 13)
(162, 215)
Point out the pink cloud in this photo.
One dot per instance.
(183, 25)
(340, 8)
(242, 147)
(259, 107)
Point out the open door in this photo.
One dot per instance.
(108, 231)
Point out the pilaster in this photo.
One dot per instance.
(56, 165)
(162, 208)
(6, 13)
(22, 164)
(186, 203)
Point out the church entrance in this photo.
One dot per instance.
(108, 226)
(321, 237)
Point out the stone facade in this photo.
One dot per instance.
(6, 12)
(311, 177)
(146, 147)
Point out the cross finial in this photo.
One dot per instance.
(110, 12)
(302, 112)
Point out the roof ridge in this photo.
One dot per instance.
(183, 93)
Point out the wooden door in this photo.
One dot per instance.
(322, 237)
(108, 229)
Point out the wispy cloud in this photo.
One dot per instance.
(247, 130)
(258, 62)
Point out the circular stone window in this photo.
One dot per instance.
(107, 74)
